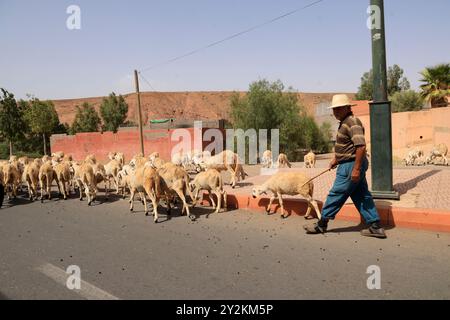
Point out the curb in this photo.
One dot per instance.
(413, 218)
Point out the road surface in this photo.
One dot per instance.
(232, 255)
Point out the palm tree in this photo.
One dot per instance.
(436, 84)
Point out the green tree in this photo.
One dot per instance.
(42, 119)
(406, 101)
(114, 112)
(326, 136)
(86, 119)
(11, 119)
(365, 90)
(395, 80)
(395, 83)
(436, 84)
(269, 106)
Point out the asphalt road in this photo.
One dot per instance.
(232, 255)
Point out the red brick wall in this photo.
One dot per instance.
(126, 141)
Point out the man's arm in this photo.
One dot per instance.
(333, 163)
(360, 154)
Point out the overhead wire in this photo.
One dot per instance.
(235, 35)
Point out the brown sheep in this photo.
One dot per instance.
(145, 181)
(46, 177)
(11, 179)
(209, 180)
(31, 178)
(63, 177)
(175, 180)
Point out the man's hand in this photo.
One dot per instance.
(360, 154)
(355, 175)
(333, 164)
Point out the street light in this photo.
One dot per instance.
(380, 110)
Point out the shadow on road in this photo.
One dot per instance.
(198, 211)
(22, 198)
(3, 297)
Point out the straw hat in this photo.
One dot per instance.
(340, 100)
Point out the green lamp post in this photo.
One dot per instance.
(380, 111)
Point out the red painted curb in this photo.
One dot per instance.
(414, 218)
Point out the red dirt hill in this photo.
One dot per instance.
(181, 105)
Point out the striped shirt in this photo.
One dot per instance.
(349, 136)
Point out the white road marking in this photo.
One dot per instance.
(87, 290)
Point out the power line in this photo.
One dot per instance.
(148, 82)
(231, 36)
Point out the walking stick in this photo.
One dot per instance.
(329, 169)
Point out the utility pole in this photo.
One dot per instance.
(141, 136)
(380, 110)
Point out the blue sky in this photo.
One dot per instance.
(324, 48)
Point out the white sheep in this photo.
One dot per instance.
(439, 151)
(310, 160)
(266, 159)
(412, 156)
(288, 183)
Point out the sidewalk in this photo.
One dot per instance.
(424, 197)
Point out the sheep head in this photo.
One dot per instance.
(257, 191)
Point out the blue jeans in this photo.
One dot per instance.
(343, 188)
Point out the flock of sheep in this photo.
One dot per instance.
(151, 178)
(155, 179)
(417, 156)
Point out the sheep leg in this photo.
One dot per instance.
(49, 189)
(224, 194)
(88, 194)
(308, 211)
(132, 191)
(270, 203)
(280, 199)
(155, 207)
(312, 203)
(41, 182)
(145, 205)
(316, 208)
(149, 189)
(219, 200)
(80, 189)
(106, 188)
(14, 190)
(168, 204)
(196, 199)
(233, 177)
(30, 192)
(70, 185)
(58, 184)
(211, 199)
(185, 205)
(66, 189)
(116, 181)
(34, 186)
(63, 187)
(8, 191)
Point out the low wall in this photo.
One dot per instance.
(422, 129)
(126, 141)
